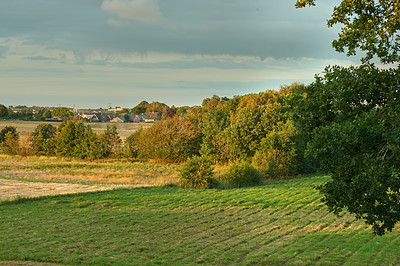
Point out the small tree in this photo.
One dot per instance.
(197, 172)
(8, 129)
(243, 174)
(40, 137)
(10, 143)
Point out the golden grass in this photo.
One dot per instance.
(110, 171)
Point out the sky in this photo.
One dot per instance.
(101, 53)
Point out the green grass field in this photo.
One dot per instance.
(282, 222)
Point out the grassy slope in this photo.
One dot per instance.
(282, 222)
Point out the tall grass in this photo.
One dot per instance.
(87, 171)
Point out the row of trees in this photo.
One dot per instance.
(254, 128)
(42, 113)
(33, 113)
(73, 140)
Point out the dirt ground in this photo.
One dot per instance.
(11, 189)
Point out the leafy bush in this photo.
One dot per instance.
(10, 143)
(7, 129)
(243, 174)
(197, 172)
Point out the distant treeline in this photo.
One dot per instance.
(37, 113)
(348, 116)
(255, 128)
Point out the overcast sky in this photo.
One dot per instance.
(93, 53)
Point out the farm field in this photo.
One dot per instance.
(282, 222)
(87, 172)
(26, 127)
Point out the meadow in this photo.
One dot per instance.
(281, 222)
(92, 172)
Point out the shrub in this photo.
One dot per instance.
(197, 172)
(10, 143)
(5, 130)
(243, 174)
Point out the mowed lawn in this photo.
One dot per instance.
(282, 222)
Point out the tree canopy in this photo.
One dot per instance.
(351, 116)
(371, 26)
(3, 111)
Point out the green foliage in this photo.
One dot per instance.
(3, 111)
(110, 141)
(61, 111)
(41, 138)
(370, 26)
(174, 139)
(351, 118)
(43, 114)
(213, 128)
(276, 155)
(197, 172)
(241, 174)
(23, 113)
(8, 129)
(74, 140)
(130, 149)
(248, 127)
(10, 143)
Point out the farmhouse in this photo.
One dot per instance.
(138, 118)
(153, 116)
(117, 120)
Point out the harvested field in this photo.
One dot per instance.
(13, 189)
(24, 128)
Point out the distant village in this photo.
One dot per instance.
(105, 117)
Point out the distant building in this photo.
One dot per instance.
(117, 120)
(138, 118)
(152, 116)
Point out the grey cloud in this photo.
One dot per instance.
(255, 27)
(40, 58)
(3, 51)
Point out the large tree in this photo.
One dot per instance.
(371, 26)
(352, 115)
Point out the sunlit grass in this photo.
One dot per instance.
(86, 171)
(282, 222)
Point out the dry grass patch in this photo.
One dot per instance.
(87, 172)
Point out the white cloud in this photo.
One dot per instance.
(142, 10)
